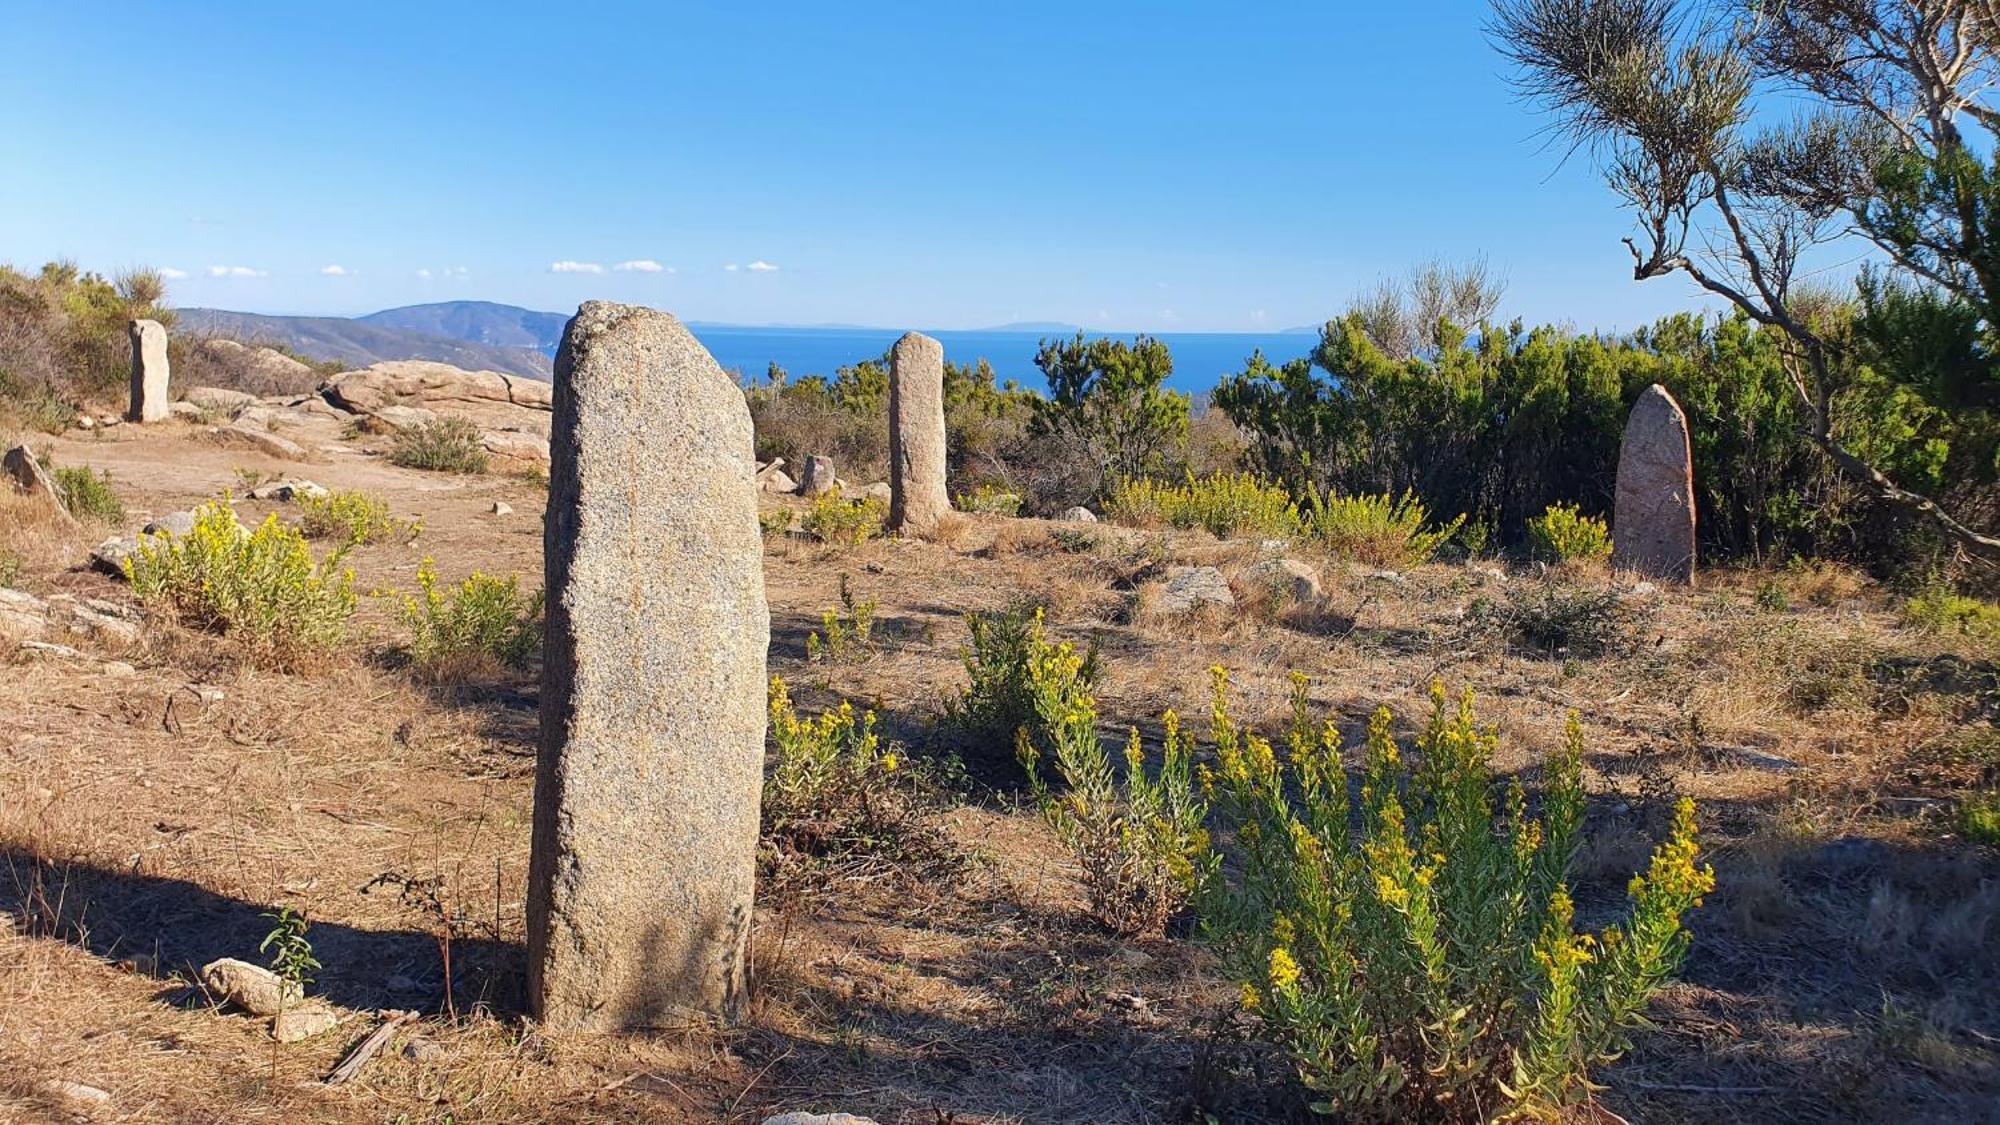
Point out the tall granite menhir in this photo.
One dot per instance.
(1652, 527)
(149, 372)
(653, 690)
(917, 496)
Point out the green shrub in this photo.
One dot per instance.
(990, 499)
(1377, 530)
(481, 619)
(835, 795)
(88, 495)
(11, 565)
(844, 632)
(1412, 948)
(1979, 817)
(450, 444)
(842, 523)
(1939, 609)
(1141, 845)
(1225, 505)
(1000, 699)
(352, 517)
(260, 586)
(777, 521)
(1562, 534)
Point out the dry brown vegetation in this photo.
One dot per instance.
(154, 803)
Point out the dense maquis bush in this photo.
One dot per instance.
(1502, 425)
(63, 336)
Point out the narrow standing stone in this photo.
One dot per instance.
(817, 476)
(28, 475)
(917, 496)
(653, 692)
(149, 372)
(1652, 528)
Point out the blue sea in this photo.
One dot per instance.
(1201, 359)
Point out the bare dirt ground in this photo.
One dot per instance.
(155, 803)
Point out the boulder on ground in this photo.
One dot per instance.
(1189, 588)
(516, 450)
(392, 418)
(303, 1021)
(261, 441)
(1078, 514)
(291, 488)
(110, 555)
(777, 481)
(220, 400)
(880, 490)
(253, 988)
(1290, 579)
(817, 477)
(29, 476)
(25, 618)
(490, 398)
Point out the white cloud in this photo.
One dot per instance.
(567, 266)
(761, 266)
(457, 271)
(425, 274)
(234, 271)
(1260, 316)
(732, 267)
(335, 271)
(172, 274)
(642, 265)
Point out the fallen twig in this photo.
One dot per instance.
(370, 1047)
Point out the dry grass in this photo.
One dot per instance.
(1841, 971)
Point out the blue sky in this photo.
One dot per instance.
(1168, 167)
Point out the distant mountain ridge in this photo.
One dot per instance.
(361, 341)
(479, 322)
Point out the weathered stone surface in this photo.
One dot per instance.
(30, 477)
(514, 450)
(303, 1021)
(404, 417)
(186, 411)
(1288, 579)
(918, 499)
(23, 616)
(779, 482)
(1189, 588)
(220, 400)
(653, 685)
(253, 988)
(1652, 529)
(81, 1098)
(110, 555)
(1079, 514)
(492, 400)
(149, 372)
(816, 476)
(262, 441)
(173, 523)
(880, 490)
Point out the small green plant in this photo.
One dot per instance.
(990, 499)
(353, 518)
(1772, 597)
(836, 795)
(480, 619)
(450, 444)
(1139, 840)
(1224, 505)
(260, 586)
(11, 564)
(88, 495)
(1411, 946)
(1378, 530)
(1071, 541)
(777, 521)
(290, 952)
(844, 632)
(1000, 699)
(842, 523)
(1979, 817)
(1562, 534)
(1937, 608)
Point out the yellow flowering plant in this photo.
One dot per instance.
(1224, 504)
(258, 585)
(1138, 838)
(836, 796)
(1412, 946)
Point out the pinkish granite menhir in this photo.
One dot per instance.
(1652, 529)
